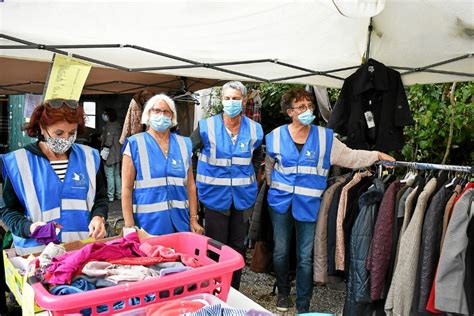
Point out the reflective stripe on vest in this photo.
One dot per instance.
(28, 251)
(91, 173)
(224, 162)
(225, 173)
(66, 200)
(147, 182)
(318, 170)
(160, 206)
(299, 178)
(27, 180)
(296, 189)
(225, 181)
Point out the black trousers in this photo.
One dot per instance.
(229, 229)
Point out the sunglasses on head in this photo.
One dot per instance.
(57, 103)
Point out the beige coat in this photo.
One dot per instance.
(341, 214)
(400, 295)
(320, 265)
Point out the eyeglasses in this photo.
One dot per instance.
(160, 111)
(303, 108)
(57, 103)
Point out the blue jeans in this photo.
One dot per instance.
(114, 182)
(283, 225)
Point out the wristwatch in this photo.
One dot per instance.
(194, 216)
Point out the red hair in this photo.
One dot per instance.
(45, 115)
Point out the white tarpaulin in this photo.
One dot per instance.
(317, 36)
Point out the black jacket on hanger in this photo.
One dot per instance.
(378, 89)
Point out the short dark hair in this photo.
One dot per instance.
(295, 94)
(111, 114)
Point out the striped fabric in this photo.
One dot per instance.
(218, 310)
(60, 167)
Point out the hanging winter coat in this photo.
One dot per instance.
(358, 300)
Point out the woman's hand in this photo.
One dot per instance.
(195, 227)
(34, 225)
(97, 227)
(385, 157)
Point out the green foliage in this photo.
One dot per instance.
(432, 111)
(430, 105)
(271, 94)
(215, 103)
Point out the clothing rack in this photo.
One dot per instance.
(428, 166)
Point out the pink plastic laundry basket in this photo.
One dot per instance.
(214, 277)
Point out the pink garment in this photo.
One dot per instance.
(168, 254)
(63, 267)
(341, 214)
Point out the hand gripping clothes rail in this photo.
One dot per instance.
(160, 196)
(46, 198)
(299, 178)
(225, 174)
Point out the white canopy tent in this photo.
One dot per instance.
(318, 42)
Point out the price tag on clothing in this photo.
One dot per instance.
(369, 118)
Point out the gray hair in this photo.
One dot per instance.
(236, 85)
(154, 100)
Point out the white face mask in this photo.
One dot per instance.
(60, 145)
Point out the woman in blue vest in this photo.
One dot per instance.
(54, 180)
(230, 154)
(158, 188)
(299, 156)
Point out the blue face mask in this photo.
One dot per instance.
(307, 117)
(232, 107)
(160, 123)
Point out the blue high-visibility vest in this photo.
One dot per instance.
(160, 194)
(225, 173)
(46, 198)
(299, 178)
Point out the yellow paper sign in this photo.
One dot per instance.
(66, 78)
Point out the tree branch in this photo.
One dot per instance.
(451, 122)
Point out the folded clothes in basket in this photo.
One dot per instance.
(63, 267)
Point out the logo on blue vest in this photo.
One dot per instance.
(79, 180)
(243, 146)
(176, 164)
(310, 155)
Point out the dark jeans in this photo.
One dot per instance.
(283, 225)
(230, 230)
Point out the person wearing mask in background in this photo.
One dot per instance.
(158, 188)
(299, 156)
(111, 154)
(54, 180)
(230, 154)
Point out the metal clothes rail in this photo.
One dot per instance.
(429, 166)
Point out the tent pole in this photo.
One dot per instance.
(447, 61)
(436, 71)
(369, 37)
(216, 66)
